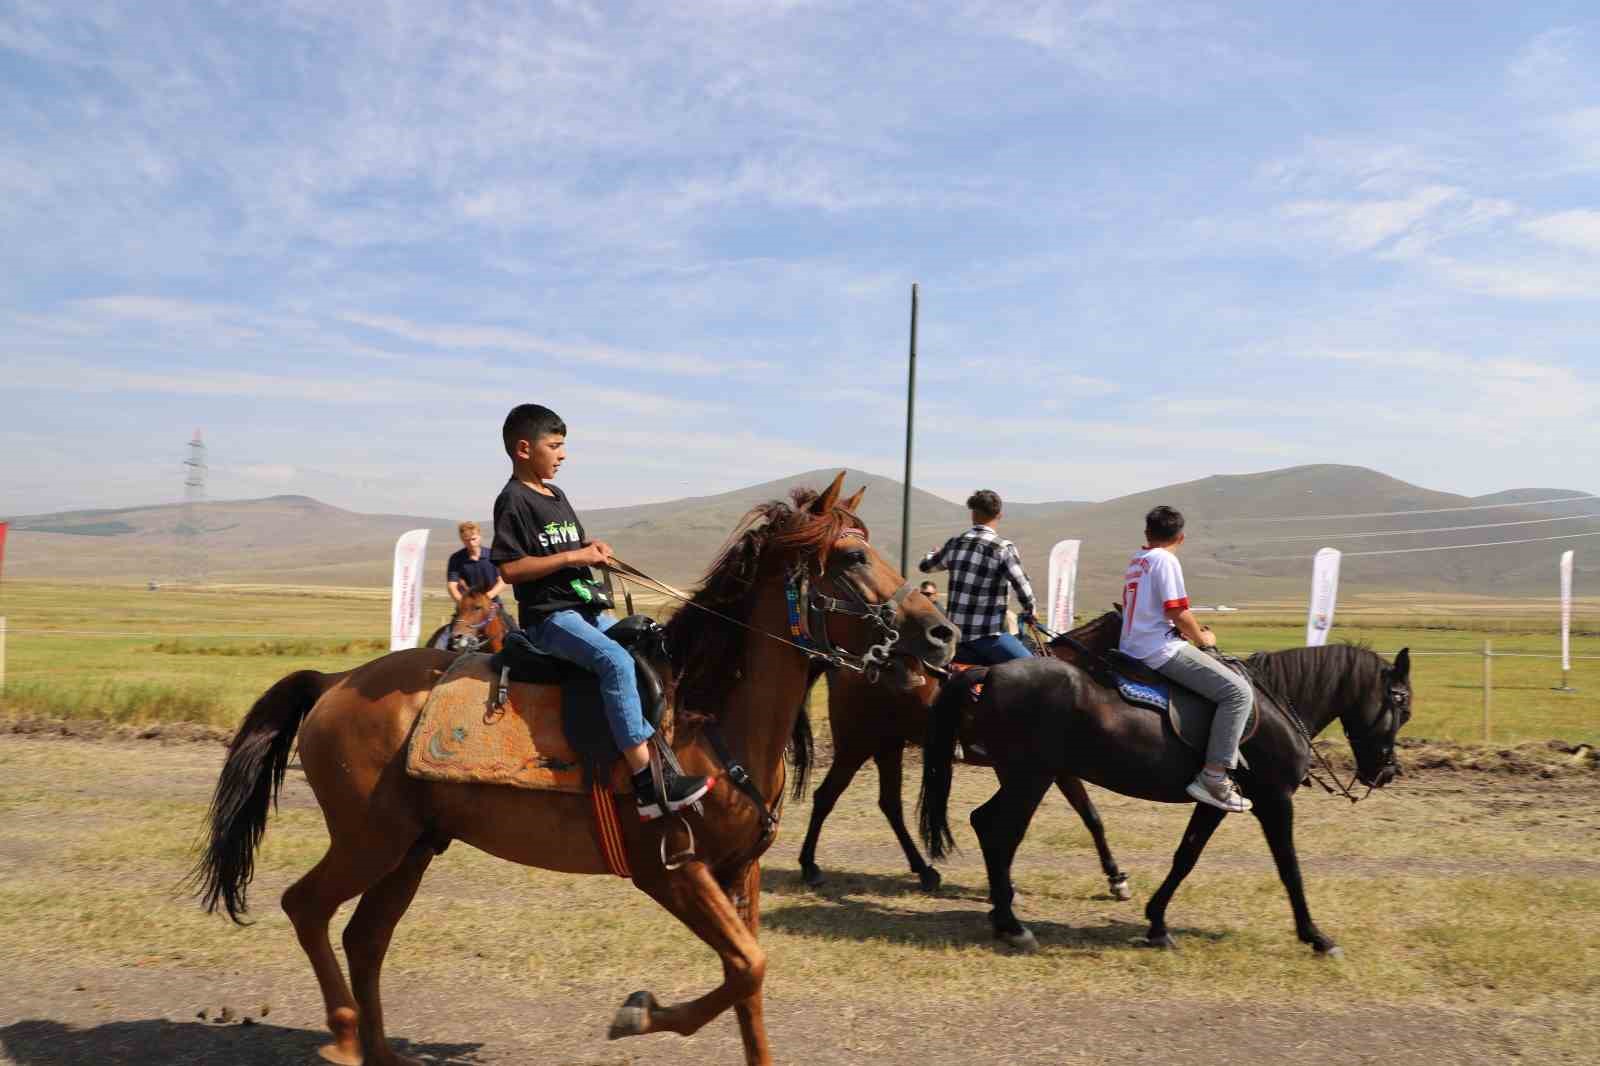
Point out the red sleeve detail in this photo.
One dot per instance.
(1171, 605)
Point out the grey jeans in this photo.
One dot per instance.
(1201, 672)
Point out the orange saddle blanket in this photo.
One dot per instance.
(461, 736)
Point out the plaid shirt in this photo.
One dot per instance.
(980, 565)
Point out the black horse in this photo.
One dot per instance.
(1041, 718)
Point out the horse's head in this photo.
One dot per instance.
(1371, 725)
(476, 624)
(861, 605)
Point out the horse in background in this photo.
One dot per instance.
(1043, 717)
(479, 624)
(876, 722)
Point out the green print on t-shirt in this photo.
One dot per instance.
(581, 587)
(558, 533)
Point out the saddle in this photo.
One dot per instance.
(530, 720)
(1188, 712)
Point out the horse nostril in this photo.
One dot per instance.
(943, 634)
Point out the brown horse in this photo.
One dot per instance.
(385, 827)
(478, 624)
(871, 722)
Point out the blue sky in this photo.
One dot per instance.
(1155, 241)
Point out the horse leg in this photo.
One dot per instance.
(366, 941)
(1001, 824)
(694, 896)
(1078, 796)
(1202, 823)
(752, 1017)
(1275, 812)
(838, 778)
(343, 873)
(890, 758)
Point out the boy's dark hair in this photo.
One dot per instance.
(985, 502)
(1163, 524)
(529, 422)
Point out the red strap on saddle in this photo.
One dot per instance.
(610, 830)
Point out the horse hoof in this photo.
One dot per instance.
(1120, 889)
(633, 1017)
(1023, 943)
(930, 879)
(340, 1056)
(1333, 951)
(1164, 942)
(813, 877)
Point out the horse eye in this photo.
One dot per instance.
(856, 557)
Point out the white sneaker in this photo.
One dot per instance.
(1219, 791)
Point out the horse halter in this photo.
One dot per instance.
(474, 637)
(802, 588)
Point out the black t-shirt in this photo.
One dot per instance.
(478, 575)
(531, 523)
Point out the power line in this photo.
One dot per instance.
(1428, 510)
(1436, 529)
(1434, 548)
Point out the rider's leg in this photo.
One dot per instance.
(569, 635)
(1195, 670)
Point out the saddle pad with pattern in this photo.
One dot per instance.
(459, 736)
(1188, 712)
(1144, 693)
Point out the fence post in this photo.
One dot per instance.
(1488, 687)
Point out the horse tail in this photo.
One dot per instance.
(258, 756)
(938, 757)
(802, 744)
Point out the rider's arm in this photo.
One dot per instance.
(934, 560)
(1019, 581)
(455, 589)
(533, 567)
(499, 587)
(1190, 628)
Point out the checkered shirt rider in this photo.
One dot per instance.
(981, 565)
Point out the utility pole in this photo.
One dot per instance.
(911, 411)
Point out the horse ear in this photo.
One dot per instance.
(855, 501)
(1402, 664)
(829, 498)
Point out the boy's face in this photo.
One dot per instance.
(543, 457)
(472, 539)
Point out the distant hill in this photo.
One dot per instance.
(1251, 536)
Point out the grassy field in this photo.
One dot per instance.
(122, 653)
(1460, 898)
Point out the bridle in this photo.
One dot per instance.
(809, 608)
(474, 638)
(802, 587)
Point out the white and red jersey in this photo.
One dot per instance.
(1152, 586)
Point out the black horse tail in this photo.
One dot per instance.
(257, 758)
(938, 757)
(802, 744)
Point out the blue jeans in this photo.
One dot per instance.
(991, 650)
(569, 635)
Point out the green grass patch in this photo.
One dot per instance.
(301, 647)
(129, 702)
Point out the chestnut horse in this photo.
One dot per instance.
(870, 722)
(477, 625)
(744, 689)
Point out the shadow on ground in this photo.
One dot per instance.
(46, 1043)
(840, 915)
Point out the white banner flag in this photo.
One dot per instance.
(1324, 593)
(1566, 611)
(405, 604)
(1063, 585)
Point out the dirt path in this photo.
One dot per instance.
(105, 964)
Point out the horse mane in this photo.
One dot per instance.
(706, 649)
(1336, 675)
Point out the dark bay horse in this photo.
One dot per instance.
(385, 827)
(477, 625)
(1040, 718)
(875, 722)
